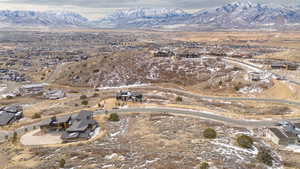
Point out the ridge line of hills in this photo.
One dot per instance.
(237, 15)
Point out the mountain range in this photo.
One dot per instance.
(48, 19)
(233, 15)
(238, 15)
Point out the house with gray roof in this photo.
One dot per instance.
(287, 133)
(281, 137)
(129, 96)
(10, 114)
(56, 123)
(32, 89)
(82, 127)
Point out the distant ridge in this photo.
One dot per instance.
(49, 18)
(240, 15)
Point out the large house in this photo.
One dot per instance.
(282, 65)
(74, 128)
(54, 94)
(164, 53)
(287, 133)
(56, 123)
(281, 137)
(10, 114)
(32, 89)
(129, 96)
(278, 66)
(82, 127)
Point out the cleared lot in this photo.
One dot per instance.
(37, 138)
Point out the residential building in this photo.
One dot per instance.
(280, 137)
(56, 123)
(129, 96)
(287, 133)
(10, 114)
(82, 127)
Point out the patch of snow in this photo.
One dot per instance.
(152, 161)
(2, 88)
(115, 134)
(250, 89)
(124, 107)
(174, 26)
(73, 158)
(238, 149)
(294, 148)
(96, 132)
(108, 166)
(113, 156)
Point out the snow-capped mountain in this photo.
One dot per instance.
(143, 17)
(49, 19)
(147, 13)
(246, 14)
(234, 15)
(237, 15)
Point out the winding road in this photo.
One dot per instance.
(202, 114)
(256, 68)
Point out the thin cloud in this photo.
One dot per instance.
(144, 3)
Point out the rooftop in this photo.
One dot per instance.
(278, 133)
(5, 118)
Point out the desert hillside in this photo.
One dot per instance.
(127, 68)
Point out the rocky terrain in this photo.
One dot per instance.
(134, 68)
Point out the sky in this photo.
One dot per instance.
(94, 9)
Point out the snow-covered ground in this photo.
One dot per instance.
(250, 89)
(294, 148)
(2, 88)
(96, 132)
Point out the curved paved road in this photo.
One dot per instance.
(200, 97)
(255, 68)
(202, 114)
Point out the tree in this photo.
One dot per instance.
(82, 97)
(245, 141)
(203, 165)
(85, 102)
(14, 138)
(62, 163)
(9, 97)
(95, 95)
(36, 116)
(114, 117)
(220, 83)
(265, 157)
(210, 133)
(179, 99)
